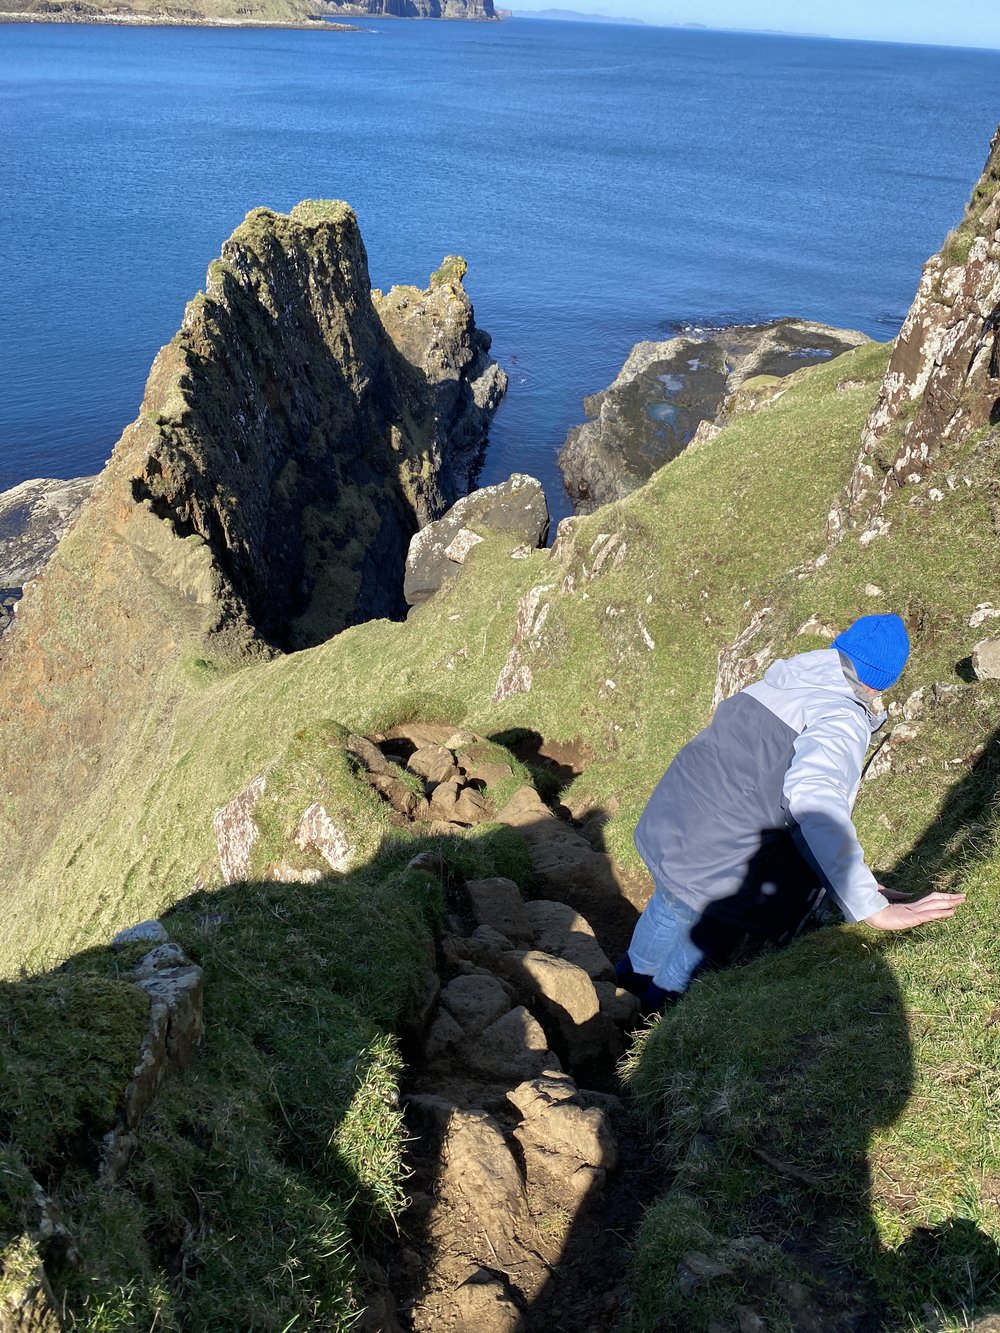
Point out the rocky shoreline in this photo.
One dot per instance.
(165, 21)
(666, 390)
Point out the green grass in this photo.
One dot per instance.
(265, 1167)
(865, 1068)
(865, 1064)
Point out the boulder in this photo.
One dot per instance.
(443, 800)
(567, 1147)
(489, 936)
(514, 1047)
(497, 902)
(433, 763)
(516, 508)
(443, 1033)
(986, 659)
(565, 997)
(480, 1181)
(562, 931)
(475, 1002)
(471, 808)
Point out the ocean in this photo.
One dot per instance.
(605, 183)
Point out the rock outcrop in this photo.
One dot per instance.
(943, 380)
(34, 517)
(666, 389)
(293, 436)
(515, 508)
(302, 436)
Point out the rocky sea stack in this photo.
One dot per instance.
(294, 435)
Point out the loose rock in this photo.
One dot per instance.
(497, 902)
(986, 659)
(562, 931)
(475, 1002)
(513, 1048)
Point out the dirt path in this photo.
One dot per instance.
(526, 1177)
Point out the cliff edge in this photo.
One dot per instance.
(294, 435)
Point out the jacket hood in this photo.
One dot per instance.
(824, 669)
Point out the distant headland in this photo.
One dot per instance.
(239, 13)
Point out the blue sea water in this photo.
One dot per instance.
(606, 184)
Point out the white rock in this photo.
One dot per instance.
(984, 611)
(461, 544)
(986, 659)
(146, 931)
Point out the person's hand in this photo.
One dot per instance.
(904, 916)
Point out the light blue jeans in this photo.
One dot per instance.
(662, 947)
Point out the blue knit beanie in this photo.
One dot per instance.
(878, 646)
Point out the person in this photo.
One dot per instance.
(751, 823)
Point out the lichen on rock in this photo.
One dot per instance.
(943, 379)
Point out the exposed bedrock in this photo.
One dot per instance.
(943, 379)
(516, 508)
(305, 427)
(665, 389)
(34, 516)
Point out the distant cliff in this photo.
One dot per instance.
(225, 13)
(415, 9)
(240, 13)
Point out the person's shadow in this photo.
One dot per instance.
(788, 1198)
(775, 1085)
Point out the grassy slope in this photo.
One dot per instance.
(707, 534)
(710, 538)
(865, 1068)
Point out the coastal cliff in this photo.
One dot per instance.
(288, 446)
(334, 842)
(314, 14)
(416, 9)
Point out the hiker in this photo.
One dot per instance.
(751, 822)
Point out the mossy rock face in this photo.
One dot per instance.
(667, 389)
(291, 441)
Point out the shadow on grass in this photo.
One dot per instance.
(965, 823)
(770, 1089)
(263, 1170)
